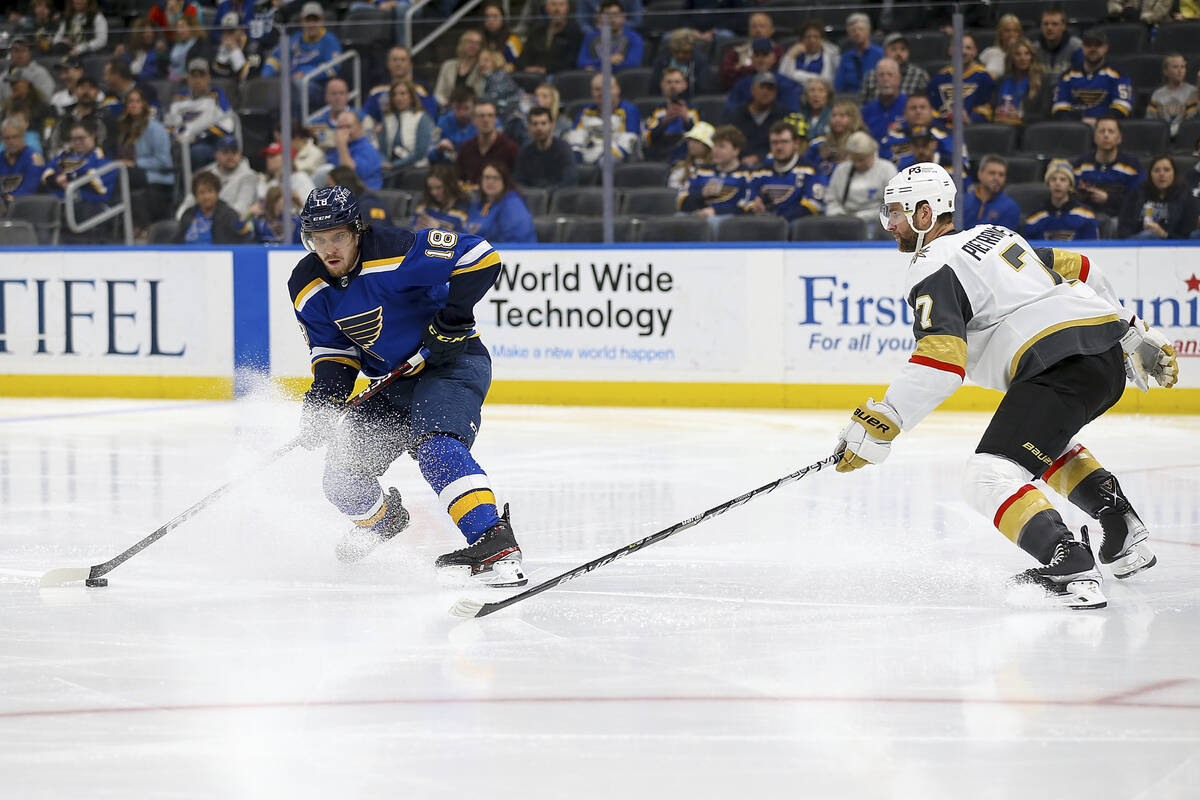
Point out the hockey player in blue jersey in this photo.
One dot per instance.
(367, 300)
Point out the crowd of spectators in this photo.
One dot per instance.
(1079, 124)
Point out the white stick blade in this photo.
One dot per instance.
(466, 608)
(62, 575)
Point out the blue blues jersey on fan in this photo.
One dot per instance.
(378, 98)
(727, 201)
(1067, 223)
(1096, 94)
(791, 192)
(375, 321)
(1117, 177)
(896, 142)
(978, 88)
(23, 175)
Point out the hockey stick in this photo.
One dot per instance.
(91, 576)
(471, 608)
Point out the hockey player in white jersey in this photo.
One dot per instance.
(987, 307)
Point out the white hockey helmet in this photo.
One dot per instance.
(927, 182)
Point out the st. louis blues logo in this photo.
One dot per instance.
(363, 329)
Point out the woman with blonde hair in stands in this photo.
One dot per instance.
(1008, 30)
(547, 96)
(1023, 94)
(827, 151)
(463, 70)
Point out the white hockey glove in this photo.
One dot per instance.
(867, 439)
(1148, 354)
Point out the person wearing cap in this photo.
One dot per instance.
(1056, 48)
(230, 60)
(985, 203)
(399, 67)
(313, 46)
(272, 174)
(788, 93)
(86, 109)
(717, 189)
(811, 57)
(199, 114)
(668, 122)
(886, 111)
(20, 65)
(69, 71)
(1095, 89)
(755, 117)
(1063, 218)
(546, 162)
(626, 43)
(785, 186)
(856, 186)
(913, 78)
(21, 166)
(587, 137)
(736, 63)
(83, 29)
(860, 58)
(978, 88)
(239, 183)
(699, 154)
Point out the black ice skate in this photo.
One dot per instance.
(1124, 547)
(1071, 576)
(360, 541)
(494, 559)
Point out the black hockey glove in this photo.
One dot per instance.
(317, 421)
(444, 342)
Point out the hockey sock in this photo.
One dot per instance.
(1078, 476)
(460, 483)
(359, 497)
(1027, 518)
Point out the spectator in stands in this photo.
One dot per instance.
(372, 207)
(456, 126)
(913, 79)
(81, 158)
(399, 67)
(20, 65)
(589, 11)
(503, 92)
(144, 146)
(354, 149)
(553, 42)
(587, 137)
(1104, 176)
(784, 186)
(546, 96)
(499, 214)
(210, 220)
(711, 20)
(21, 166)
(199, 114)
(307, 155)
(488, 145)
(1148, 12)
(860, 58)
(670, 121)
(119, 82)
(978, 88)
(164, 16)
(308, 49)
(816, 106)
(788, 92)
(681, 54)
(462, 71)
(626, 43)
(301, 182)
(1094, 90)
(145, 51)
(39, 25)
(1023, 93)
(239, 183)
(69, 71)
(826, 152)
(230, 60)
(497, 36)
(1175, 100)
(1008, 31)
(268, 223)
(1193, 175)
(1063, 218)
(886, 111)
(755, 118)
(918, 117)
(405, 136)
(25, 101)
(547, 162)
(323, 126)
(715, 190)
(856, 186)
(1159, 207)
(985, 203)
(83, 29)
(87, 108)
(444, 204)
(699, 154)
(811, 57)
(190, 46)
(738, 60)
(1056, 48)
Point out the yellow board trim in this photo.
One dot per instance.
(468, 502)
(1019, 513)
(1068, 476)
(172, 387)
(1062, 326)
(489, 260)
(947, 349)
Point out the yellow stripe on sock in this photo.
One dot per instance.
(1014, 516)
(374, 518)
(1067, 477)
(463, 505)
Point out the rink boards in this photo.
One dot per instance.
(717, 325)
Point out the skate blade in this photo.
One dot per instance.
(1082, 595)
(1138, 558)
(501, 575)
(351, 550)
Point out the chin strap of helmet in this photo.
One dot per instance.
(920, 233)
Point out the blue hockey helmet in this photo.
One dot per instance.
(329, 207)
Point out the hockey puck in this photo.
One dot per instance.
(96, 582)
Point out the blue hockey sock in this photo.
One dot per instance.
(460, 483)
(359, 497)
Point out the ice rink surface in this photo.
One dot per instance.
(844, 637)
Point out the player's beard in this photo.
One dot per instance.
(907, 242)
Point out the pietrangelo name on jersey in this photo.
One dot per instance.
(982, 244)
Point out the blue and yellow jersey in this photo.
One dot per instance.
(21, 177)
(1068, 223)
(1117, 177)
(728, 201)
(371, 320)
(978, 88)
(306, 54)
(657, 127)
(99, 190)
(1097, 94)
(791, 192)
(455, 219)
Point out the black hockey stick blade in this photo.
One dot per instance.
(468, 608)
